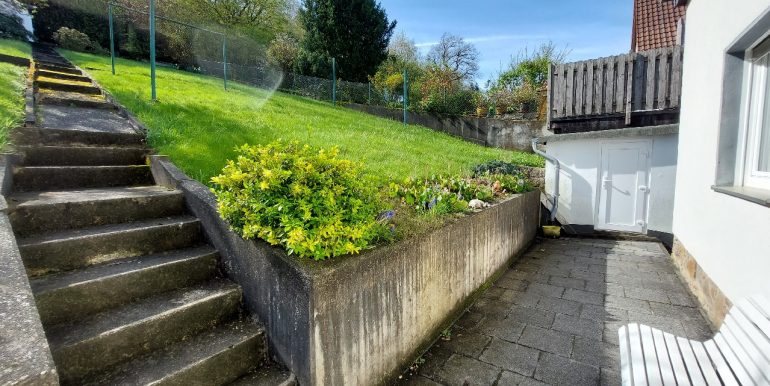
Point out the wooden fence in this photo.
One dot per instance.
(620, 85)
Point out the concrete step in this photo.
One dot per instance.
(79, 88)
(38, 212)
(73, 99)
(79, 248)
(69, 137)
(90, 346)
(59, 68)
(45, 178)
(214, 357)
(48, 155)
(267, 375)
(78, 294)
(62, 76)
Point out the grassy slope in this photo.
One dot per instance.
(11, 88)
(198, 125)
(15, 48)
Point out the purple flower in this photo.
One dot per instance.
(386, 215)
(432, 203)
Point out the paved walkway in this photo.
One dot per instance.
(553, 317)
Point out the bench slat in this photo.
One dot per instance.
(675, 353)
(732, 359)
(756, 316)
(755, 336)
(637, 357)
(744, 358)
(650, 356)
(706, 367)
(753, 360)
(728, 379)
(666, 371)
(625, 356)
(690, 362)
(763, 304)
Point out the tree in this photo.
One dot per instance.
(354, 32)
(283, 51)
(260, 19)
(457, 55)
(531, 68)
(403, 48)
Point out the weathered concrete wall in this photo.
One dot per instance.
(25, 358)
(360, 320)
(493, 132)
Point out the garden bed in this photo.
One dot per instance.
(362, 319)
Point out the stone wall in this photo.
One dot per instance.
(361, 320)
(714, 303)
(492, 132)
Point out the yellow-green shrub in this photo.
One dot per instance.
(307, 200)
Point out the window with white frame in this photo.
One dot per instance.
(757, 155)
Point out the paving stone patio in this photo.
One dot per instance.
(553, 317)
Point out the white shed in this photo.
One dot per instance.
(616, 180)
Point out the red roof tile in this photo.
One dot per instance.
(655, 23)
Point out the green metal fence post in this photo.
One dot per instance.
(334, 81)
(112, 38)
(406, 93)
(224, 58)
(152, 49)
(370, 93)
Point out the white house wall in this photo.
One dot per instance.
(579, 179)
(728, 237)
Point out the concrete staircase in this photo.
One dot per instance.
(128, 290)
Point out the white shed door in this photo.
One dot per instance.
(623, 186)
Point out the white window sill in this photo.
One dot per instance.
(755, 195)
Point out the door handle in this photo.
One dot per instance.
(644, 188)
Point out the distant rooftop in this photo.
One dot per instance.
(656, 23)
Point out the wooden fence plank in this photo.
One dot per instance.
(663, 81)
(598, 86)
(549, 96)
(630, 64)
(620, 84)
(589, 86)
(570, 94)
(609, 84)
(579, 89)
(651, 80)
(676, 76)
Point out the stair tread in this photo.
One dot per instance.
(85, 119)
(181, 355)
(105, 229)
(116, 268)
(30, 199)
(267, 376)
(135, 313)
(82, 167)
(78, 146)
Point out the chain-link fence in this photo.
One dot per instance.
(208, 51)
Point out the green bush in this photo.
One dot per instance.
(307, 200)
(75, 40)
(496, 167)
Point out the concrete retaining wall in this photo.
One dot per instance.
(361, 320)
(492, 132)
(25, 358)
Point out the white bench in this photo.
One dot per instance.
(739, 354)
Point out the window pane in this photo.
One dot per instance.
(763, 159)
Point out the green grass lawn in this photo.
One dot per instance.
(11, 88)
(198, 124)
(15, 48)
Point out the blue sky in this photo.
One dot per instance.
(501, 28)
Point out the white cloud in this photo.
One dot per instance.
(489, 38)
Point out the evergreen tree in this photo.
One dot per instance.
(354, 32)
